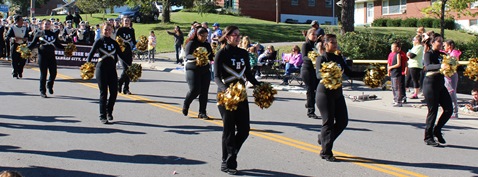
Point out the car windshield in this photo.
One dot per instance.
(132, 8)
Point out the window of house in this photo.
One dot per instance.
(311, 3)
(329, 3)
(473, 22)
(474, 5)
(294, 2)
(394, 6)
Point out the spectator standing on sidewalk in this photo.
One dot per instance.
(77, 19)
(395, 73)
(435, 92)
(178, 41)
(415, 65)
(68, 17)
(451, 83)
(151, 46)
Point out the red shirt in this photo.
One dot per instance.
(404, 61)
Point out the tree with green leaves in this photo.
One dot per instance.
(24, 5)
(448, 8)
(94, 6)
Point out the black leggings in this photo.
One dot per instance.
(415, 76)
(126, 62)
(232, 141)
(332, 107)
(198, 80)
(107, 80)
(17, 61)
(310, 80)
(436, 95)
(47, 62)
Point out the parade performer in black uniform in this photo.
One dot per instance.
(331, 103)
(198, 77)
(46, 41)
(68, 32)
(308, 74)
(106, 75)
(230, 65)
(17, 35)
(2, 38)
(435, 91)
(127, 34)
(83, 34)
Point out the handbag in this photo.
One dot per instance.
(182, 53)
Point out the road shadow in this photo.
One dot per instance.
(1, 134)
(46, 171)
(309, 127)
(461, 147)
(472, 169)
(416, 125)
(15, 94)
(161, 80)
(108, 157)
(179, 129)
(259, 172)
(69, 129)
(40, 118)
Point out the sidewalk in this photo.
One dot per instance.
(166, 62)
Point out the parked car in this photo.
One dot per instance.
(138, 17)
(174, 8)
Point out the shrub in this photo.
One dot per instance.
(409, 22)
(394, 22)
(380, 22)
(368, 45)
(469, 50)
(425, 22)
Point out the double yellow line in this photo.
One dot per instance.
(370, 164)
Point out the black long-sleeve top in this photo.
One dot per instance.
(178, 38)
(46, 40)
(432, 60)
(2, 37)
(22, 33)
(127, 34)
(230, 65)
(191, 47)
(327, 57)
(108, 49)
(306, 48)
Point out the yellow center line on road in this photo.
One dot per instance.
(370, 164)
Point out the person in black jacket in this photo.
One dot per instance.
(68, 17)
(106, 75)
(77, 19)
(231, 65)
(2, 38)
(178, 41)
(308, 74)
(46, 41)
(198, 77)
(126, 32)
(331, 103)
(435, 91)
(17, 35)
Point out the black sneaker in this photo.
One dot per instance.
(43, 95)
(313, 116)
(127, 92)
(431, 142)
(103, 119)
(440, 138)
(203, 116)
(329, 158)
(229, 171)
(50, 90)
(110, 116)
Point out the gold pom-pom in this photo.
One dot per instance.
(69, 49)
(452, 65)
(374, 75)
(24, 51)
(471, 70)
(331, 75)
(338, 52)
(235, 94)
(201, 56)
(120, 42)
(313, 56)
(87, 71)
(134, 72)
(264, 95)
(142, 45)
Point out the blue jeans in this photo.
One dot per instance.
(289, 68)
(178, 49)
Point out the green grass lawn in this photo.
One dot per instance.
(258, 30)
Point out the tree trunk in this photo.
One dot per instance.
(442, 19)
(166, 14)
(347, 16)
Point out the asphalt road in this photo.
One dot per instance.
(62, 135)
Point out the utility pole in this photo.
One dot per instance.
(32, 9)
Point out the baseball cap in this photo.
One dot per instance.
(215, 24)
(314, 23)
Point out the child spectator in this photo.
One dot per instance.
(151, 46)
(473, 105)
(395, 73)
(253, 61)
(404, 65)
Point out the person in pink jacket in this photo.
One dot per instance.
(293, 62)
